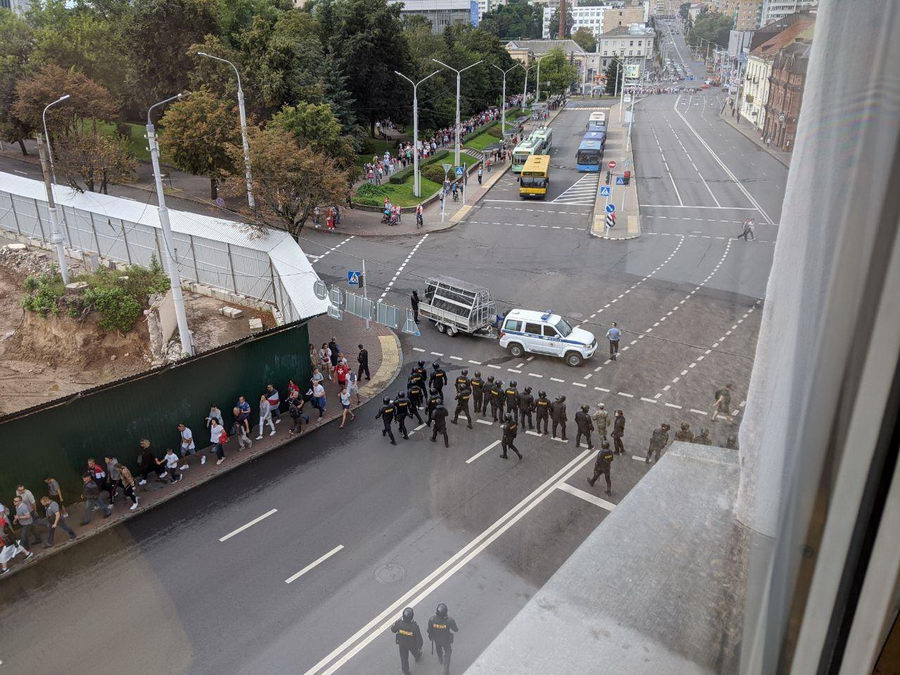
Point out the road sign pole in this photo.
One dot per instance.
(365, 285)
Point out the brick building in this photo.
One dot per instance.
(786, 93)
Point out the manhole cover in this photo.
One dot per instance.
(390, 573)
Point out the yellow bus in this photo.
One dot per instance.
(535, 177)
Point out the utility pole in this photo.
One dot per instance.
(47, 134)
(56, 237)
(503, 101)
(415, 85)
(458, 74)
(537, 89)
(525, 88)
(168, 253)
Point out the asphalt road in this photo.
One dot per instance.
(417, 524)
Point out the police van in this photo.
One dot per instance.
(524, 330)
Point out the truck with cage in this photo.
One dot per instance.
(456, 306)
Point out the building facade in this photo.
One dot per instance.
(786, 94)
(775, 10)
(744, 12)
(485, 6)
(526, 51)
(441, 14)
(600, 19)
(635, 42)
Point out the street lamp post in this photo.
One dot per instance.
(244, 141)
(525, 88)
(168, 252)
(503, 99)
(47, 136)
(415, 85)
(56, 237)
(537, 89)
(458, 74)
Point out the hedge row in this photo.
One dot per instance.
(399, 177)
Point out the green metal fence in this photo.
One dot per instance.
(58, 437)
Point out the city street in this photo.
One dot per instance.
(371, 528)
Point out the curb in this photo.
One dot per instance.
(391, 350)
(749, 137)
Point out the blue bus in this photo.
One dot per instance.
(596, 136)
(589, 155)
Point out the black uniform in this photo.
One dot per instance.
(512, 401)
(585, 427)
(510, 429)
(526, 405)
(433, 402)
(558, 415)
(440, 632)
(462, 405)
(462, 381)
(416, 377)
(477, 394)
(440, 423)
(617, 433)
(363, 359)
(409, 639)
(402, 410)
(414, 394)
(497, 402)
(438, 379)
(542, 410)
(386, 413)
(601, 466)
(658, 441)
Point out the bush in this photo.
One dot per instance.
(369, 191)
(43, 293)
(117, 308)
(402, 175)
(434, 172)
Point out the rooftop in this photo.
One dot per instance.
(538, 47)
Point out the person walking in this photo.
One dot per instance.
(477, 392)
(414, 303)
(295, 411)
(439, 416)
(658, 441)
(26, 521)
(27, 497)
(401, 411)
(584, 427)
(685, 434)
(345, 405)
(618, 431)
(218, 437)
(274, 399)
(325, 359)
(320, 400)
(170, 461)
(114, 477)
(90, 491)
(526, 406)
(55, 519)
(438, 378)
(462, 405)
(480, 174)
(238, 430)
(386, 415)
(601, 421)
(602, 466)
(55, 493)
(497, 398)
(434, 400)
(440, 631)
(129, 487)
(542, 411)
(244, 407)
(747, 230)
(363, 359)
(146, 460)
(703, 437)
(408, 638)
(265, 415)
(510, 429)
(722, 406)
(420, 221)
(188, 447)
(334, 352)
(613, 335)
(11, 547)
(559, 417)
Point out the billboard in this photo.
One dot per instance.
(474, 13)
(632, 71)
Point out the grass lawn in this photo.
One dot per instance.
(482, 141)
(137, 143)
(401, 195)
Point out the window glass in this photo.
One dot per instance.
(563, 327)
(533, 328)
(512, 324)
(550, 331)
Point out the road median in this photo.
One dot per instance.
(626, 216)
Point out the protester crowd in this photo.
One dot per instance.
(107, 482)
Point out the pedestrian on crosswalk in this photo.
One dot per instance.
(602, 466)
(613, 335)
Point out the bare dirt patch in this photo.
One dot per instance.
(42, 359)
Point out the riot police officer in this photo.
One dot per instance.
(439, 414)
(496, 393)
(462, 405)
(440, 631)
(703, 437)
(408, 637)
(477, 392)
(658, 441)
(433, 402)
(512, 399)
(463, 380)
(602, 466)
(510, 428)
(418, 374)
(558, 415)
(402, 410)
(415, 393)
(542, 410)
(584, 427)
(488, 388)
(386, 413)
(601, 421)
(685, 434)
(438, 377)
(526, 405)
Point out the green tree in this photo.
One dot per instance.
(554, 23)
(315, 126)
(288, 181)
(684, 10)
(612, 76)
(517, 20)
(87, 100)
(16, 46)
(712, 27)
(557, 73)
(89, 160)
(158, 34)
(585, 39)
(197, 132)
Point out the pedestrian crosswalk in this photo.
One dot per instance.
(582, 193)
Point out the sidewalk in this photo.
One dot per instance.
(752, 133)
(624, 197)
(385, 360)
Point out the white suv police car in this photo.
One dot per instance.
(524, 330)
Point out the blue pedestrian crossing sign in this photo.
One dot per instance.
(610, 208)
(353, 277)
(605, 191)
(459, 171)
(620, 180)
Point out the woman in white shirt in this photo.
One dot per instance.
(345, 404)
(215, 440)
(319, 395)
(265, 415)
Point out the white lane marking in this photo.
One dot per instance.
(489, 423)
(699, 412)
(491, 365)
(579, 384)
(317, 561)
(477, 363)
(558, 440)
(603, 389)
(437, 353)
(480, 453)
(556, 379)
(622, 393)
(358, 641)
(691, 160)
(648, 400)
(248, 525)
(688, 206)
(530, 359)
(456, 358)
(334, 248)
(418, 349)
(421, 426)
(587, 496)
(513, 370)
(672, 405)
(666, 165)
(397, 274)
(534, 375)
(533, 433)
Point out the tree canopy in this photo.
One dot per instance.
(585, 39)
(711, 26)
(516, 20)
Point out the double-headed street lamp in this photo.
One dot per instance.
(415, 85)
(47, 136)
(243, 113)
(458, 73)
(168, 252)
(503, 98)
(537, 89)
(525, 88)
